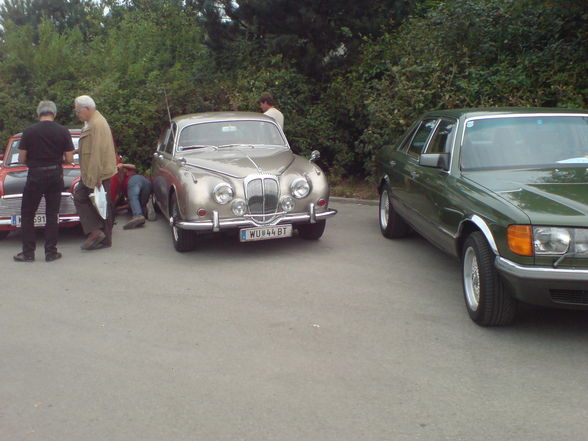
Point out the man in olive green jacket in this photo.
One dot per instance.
(98, 165)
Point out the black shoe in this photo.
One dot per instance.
(21, 257)
(50, 257)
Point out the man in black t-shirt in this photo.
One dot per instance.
(43, 147)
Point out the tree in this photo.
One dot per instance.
(64, 14)
(317, 35)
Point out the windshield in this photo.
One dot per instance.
(12, 155)
(230, 133)
(525, 142)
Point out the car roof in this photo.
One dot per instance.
(195, 118)
(490, 111)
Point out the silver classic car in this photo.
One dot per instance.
(235, 171)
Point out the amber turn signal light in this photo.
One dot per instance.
(520, 239)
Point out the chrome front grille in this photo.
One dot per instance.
(10, 206)
(263, 194)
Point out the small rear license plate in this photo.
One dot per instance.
(40, 220)
(265, 233)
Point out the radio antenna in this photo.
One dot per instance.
(167, 105)
(171, 126)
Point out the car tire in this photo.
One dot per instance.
(312, 231)
(487, 300)
(184, 240)
(3, 234)
(392, 225)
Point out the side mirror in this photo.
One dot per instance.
(435, 160)
(315, 155)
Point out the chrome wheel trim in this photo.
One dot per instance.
(471, 279)
(384, 209)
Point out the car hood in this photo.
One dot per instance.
(15, 181)
(557, 196)
(242, 161)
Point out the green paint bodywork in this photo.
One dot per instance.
(446, 205)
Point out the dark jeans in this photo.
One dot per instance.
(47, 183)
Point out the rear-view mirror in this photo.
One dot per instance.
(435, 160)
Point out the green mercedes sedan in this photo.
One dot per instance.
(504, 190)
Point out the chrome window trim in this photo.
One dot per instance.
(437, 120)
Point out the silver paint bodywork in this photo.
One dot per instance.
(190, 176)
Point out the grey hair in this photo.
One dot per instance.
(85, 101)
(46, 107)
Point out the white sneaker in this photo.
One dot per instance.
(151, 214)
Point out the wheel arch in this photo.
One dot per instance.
(468, 226)
(170, 196)
(384, 180)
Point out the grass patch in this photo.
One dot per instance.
(353, 188)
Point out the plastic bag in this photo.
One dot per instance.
(99, 200)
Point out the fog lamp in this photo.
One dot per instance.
(239, 207)
(287, 203)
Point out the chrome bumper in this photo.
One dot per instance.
(217, 224)
(540, 273)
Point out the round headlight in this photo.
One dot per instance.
(549, 240)
(300, 188)
(239, 207)
(287, 203)
(223, 193)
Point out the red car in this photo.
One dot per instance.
(13, 177)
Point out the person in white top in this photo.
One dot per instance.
(268, 108)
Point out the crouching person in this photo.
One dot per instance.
(133, 191)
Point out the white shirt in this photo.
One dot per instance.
(276, 115)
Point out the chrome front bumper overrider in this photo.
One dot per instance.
(217, 224)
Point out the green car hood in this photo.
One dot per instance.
(556, 196)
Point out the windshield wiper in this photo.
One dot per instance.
(194, 147)
(235, 145)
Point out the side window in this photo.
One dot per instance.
(419, 141)
(13, 153)
(169, 146)
(443, 137)
(403, 146)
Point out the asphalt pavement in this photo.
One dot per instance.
(353, 337)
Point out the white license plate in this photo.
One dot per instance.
(265, 233)
(40, 220)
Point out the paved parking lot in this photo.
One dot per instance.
(353, 337)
